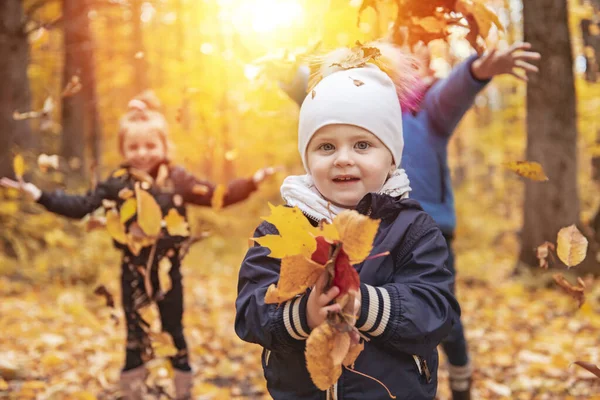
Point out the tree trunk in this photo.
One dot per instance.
(15, 94)
(81, 128)
(551, 128)
(140, 79)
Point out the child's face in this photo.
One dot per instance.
(347, 162)
(143, 149)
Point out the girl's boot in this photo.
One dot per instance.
(183, 380)
(132, 383)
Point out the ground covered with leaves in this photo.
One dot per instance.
(61, 341)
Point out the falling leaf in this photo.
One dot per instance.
(149, 213)
(73, 87)
(296, 275)
(358, 57)
(218, 197)
(115, 227)
(589, 367)
(128, 209)
(357, 82)
(296, 234)
(542, 252)
(125, 193)
(480, 12)
(577, 292)
(176, 224)
(46, 162)
(101, 290)
(531, 170)
(356, 232)
(571, 246)
(19, 166)
(325, 351)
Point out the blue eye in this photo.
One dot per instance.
(326, 147)
(362, 145)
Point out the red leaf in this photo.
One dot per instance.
(346, 278)
(322, 253)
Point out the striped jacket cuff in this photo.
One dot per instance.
(292, 316)
(375, 310)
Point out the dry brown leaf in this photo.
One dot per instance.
(353, 354)
(577, 292)
(176, 224)
(542, 252)
(149, 214)
(357, 82)
(528, 169)
(571, 246)
(313, 94)
(356, 232)
(297, 274)
(320, 347)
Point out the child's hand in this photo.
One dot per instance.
(28, 188)
(318, 302)
(505, 62)
(264, 173)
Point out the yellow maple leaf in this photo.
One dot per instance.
(326, 349)
(531, 170)
(19, 166)
(176, 224)
(297, 274)
(128, 209)
(482, 14)
(218, 197)
(356, 232)
(296, 234)
(115, 227)
(571, 246)
(149, 213)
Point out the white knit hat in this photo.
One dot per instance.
(365, 97)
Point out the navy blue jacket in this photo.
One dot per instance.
(407, 309)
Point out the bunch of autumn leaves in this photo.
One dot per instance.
(306, 252)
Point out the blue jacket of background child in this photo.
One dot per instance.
(407, 309)
(426, 136)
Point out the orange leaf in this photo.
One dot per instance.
(577, 292)
(325, 351)
(356, 232)
(176, 224)
(526, 169)
(296, 275)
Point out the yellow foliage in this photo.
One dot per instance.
(176, 224)
(128, 209)
(115, 227)
(218, 197)
(531, 170)
(356, 232)
(325, 351)
(19, 166)
(149, 214)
